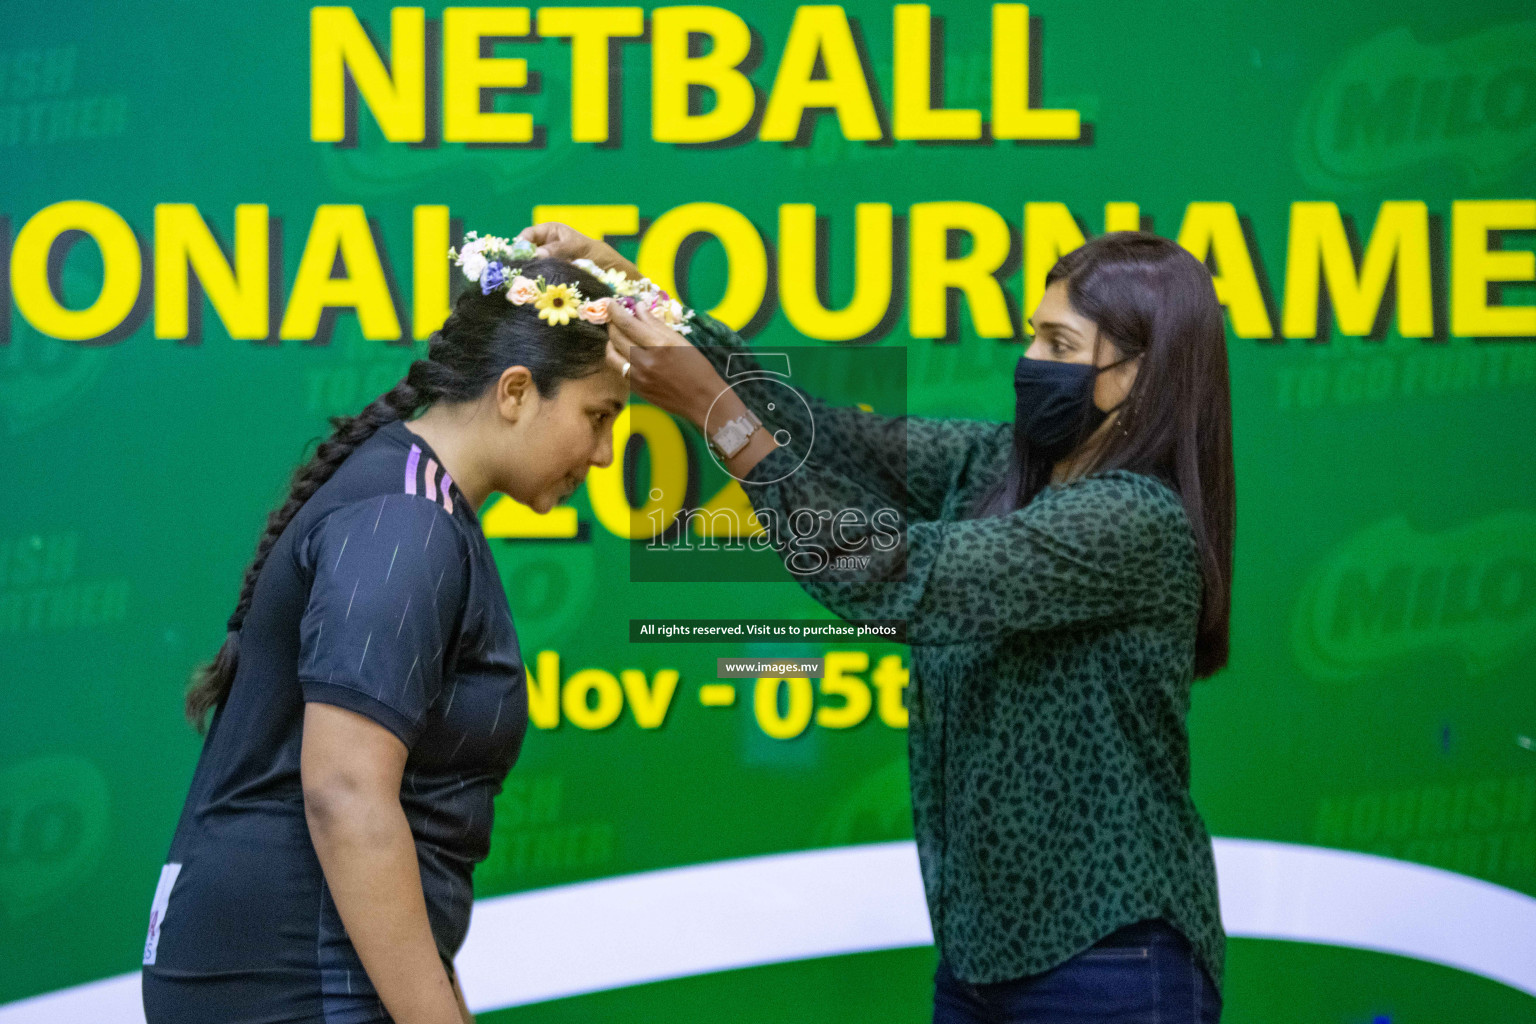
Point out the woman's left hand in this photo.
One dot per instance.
(563, 242)
(665, 368)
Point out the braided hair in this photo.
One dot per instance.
(482, 336)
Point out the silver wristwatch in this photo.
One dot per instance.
(734, 435)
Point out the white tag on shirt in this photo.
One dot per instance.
(157, 910)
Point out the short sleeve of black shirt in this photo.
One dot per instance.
(390, 578)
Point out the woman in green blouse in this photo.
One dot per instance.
(1064, 579)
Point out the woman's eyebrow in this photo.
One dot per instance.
(1051, 323)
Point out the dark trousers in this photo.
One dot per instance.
(1142, 974)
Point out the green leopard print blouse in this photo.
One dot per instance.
(1052, 655)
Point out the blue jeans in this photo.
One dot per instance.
(1142, 974)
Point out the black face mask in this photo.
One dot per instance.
(1054, 411)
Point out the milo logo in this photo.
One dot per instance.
(1395, 103)
(1390, 592)
(53, 828)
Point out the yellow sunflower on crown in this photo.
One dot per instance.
(557, 303)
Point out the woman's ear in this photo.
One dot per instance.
(1112, 384)
(514, 393)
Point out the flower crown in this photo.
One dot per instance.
(490, 262)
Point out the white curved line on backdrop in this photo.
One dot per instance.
(1338, 898)
(693, 920)
(680, 922)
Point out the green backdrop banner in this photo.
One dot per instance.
(221, 224)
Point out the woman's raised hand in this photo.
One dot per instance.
(665, 368)
(564, 242)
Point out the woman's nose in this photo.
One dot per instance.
(603, 457)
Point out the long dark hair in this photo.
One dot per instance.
(1152, 299)
(483, 336)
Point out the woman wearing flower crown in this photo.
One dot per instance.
(321, 868)
(1063, 579)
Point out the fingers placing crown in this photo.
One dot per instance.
(491, 261)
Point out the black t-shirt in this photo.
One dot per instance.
(381, 597)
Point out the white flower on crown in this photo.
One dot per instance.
(478, 252)
(473, 265)
(672, 313)
(616, 280)
(472, 258)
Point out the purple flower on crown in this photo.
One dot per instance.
(493, 277)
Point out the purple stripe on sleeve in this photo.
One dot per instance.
(410, 468)
(447, 483)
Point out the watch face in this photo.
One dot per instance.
(728, 440)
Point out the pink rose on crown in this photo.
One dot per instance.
(594, 311)
(522, 291)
